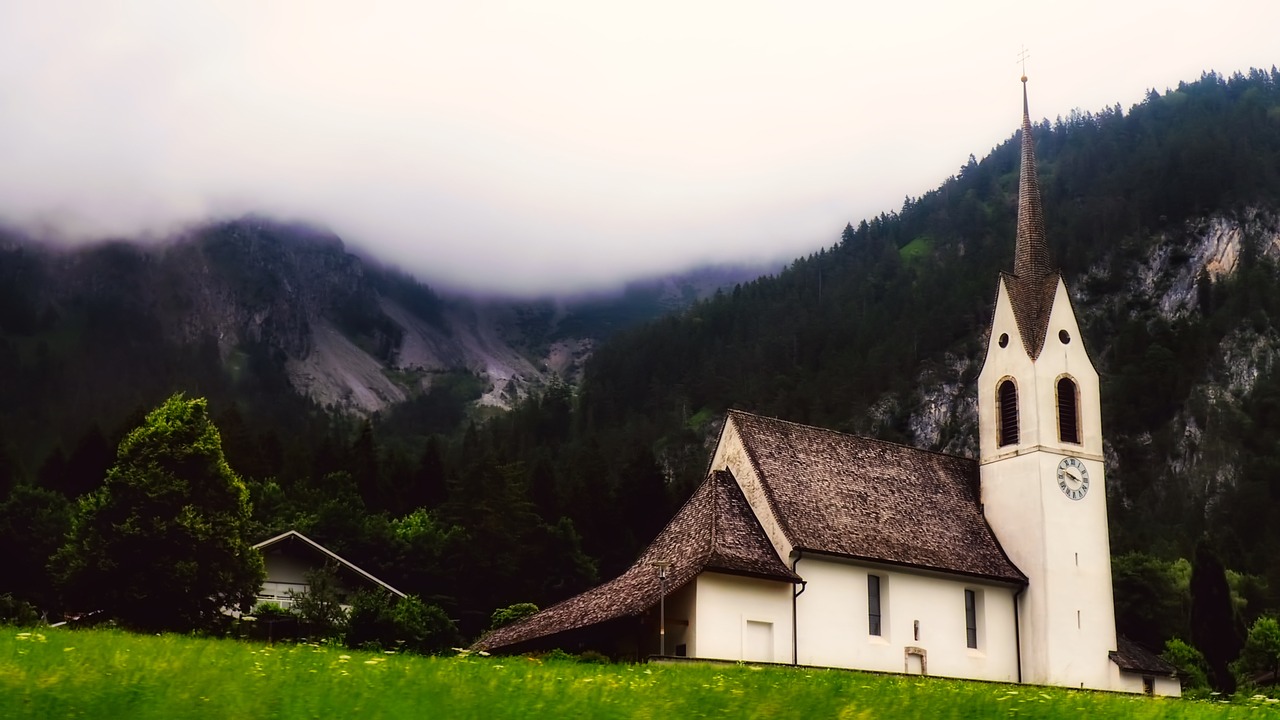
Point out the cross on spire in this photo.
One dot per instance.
(1022, 58)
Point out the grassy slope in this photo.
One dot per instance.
(56, 673)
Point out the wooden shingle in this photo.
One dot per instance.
(715, 530)
(872, 500)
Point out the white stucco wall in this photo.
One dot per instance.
(286, 571)
(733, 614)
(833, 626)
(1061, 544)
(1132, 683)
(681, 620)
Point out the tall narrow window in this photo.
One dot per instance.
(1007, 410)
(1068, 411)
(873, 604)
(971, 618)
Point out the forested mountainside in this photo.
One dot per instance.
(1165, 219)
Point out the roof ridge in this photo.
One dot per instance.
(879, 441)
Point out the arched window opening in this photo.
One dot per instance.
(1068, 411)
(1007, 410)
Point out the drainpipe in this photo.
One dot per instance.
(795, 624)
(1017, 637)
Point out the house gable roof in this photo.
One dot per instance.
(293, 536)
(872, 500)
(715, 530)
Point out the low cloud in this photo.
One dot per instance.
(559, 146)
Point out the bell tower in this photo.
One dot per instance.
(1041, 459)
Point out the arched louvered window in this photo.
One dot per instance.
(1007, 413)
(1068, 411)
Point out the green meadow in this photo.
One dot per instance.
(51, 673)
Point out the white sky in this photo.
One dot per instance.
(554, 144)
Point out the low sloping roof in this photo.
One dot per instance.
(295, 536)
(861, 498)
(714, 530)
(1134, 658)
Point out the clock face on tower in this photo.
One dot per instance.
(1073, 478)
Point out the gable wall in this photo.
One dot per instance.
(731, 455)
(287, 571)
(833, 621)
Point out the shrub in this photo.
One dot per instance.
(266, 610)
(1192, 667)
(17, 612)
(1261, 655)
(318, 607)
(378, 620)
(510, 614)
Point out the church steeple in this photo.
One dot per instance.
(1034, 280)
(1031, 256)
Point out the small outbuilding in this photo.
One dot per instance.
(291, 556)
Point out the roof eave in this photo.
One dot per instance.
(1019, 581)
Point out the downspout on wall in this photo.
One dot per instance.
(1017, 636)
(795, 622)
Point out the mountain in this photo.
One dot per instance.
(1164, 219)
(278, 317)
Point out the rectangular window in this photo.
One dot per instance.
(873, 604)
(971, 618)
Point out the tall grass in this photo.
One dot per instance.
(47, 673)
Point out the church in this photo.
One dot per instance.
(812, 547)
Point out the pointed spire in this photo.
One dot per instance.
(1031, 254)
(1034, 280)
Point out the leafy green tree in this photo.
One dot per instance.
(1261, 655)
(162, 544)
(1151, 607)
(1192, 667)
(33, 523)
(318, 606)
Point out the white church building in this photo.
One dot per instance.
(813, 547)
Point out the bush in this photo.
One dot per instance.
(1192, 667)
(510, 614)
(378, 620)
(1260, 659)
(318, 607)
(266, 610)
(17, 612)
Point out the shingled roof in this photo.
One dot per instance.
(861, 498)
(1034, 280)
(1134, 658)
(714, 530)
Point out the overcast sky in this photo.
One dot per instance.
(554, 144)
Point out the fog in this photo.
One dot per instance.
(523, 147)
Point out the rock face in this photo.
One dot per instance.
(347, 333)
(1166, 284)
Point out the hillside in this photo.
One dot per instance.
(266, 314)
(1165, 219)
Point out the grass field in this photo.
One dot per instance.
(48, 673)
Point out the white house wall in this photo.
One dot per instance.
(733, 613)
(833, 631)
(285, 572)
